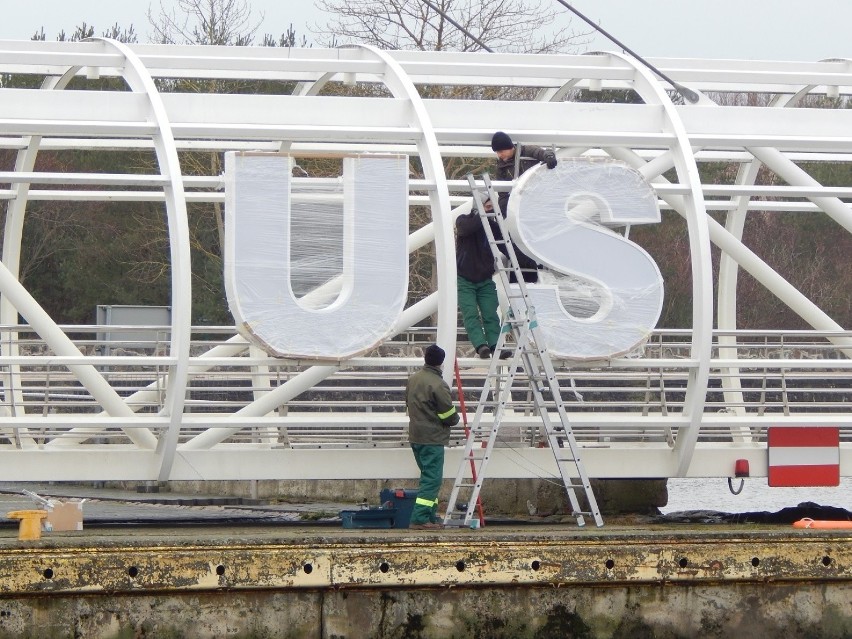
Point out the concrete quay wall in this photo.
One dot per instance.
(493, 583)
(638, 611)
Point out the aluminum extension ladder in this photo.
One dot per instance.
(527, 351)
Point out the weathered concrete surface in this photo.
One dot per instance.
(708, 611)
(538, 581)
(204, 558)
(617, 612)
(503, 496)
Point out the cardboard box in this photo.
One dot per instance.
(64, 516)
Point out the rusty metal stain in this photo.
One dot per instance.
(451, 560)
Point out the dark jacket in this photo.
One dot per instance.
(529, 155)
(474, 261)
(430, 408)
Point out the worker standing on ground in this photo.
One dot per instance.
(513, 160)
(431, 413)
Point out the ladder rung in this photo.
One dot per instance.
(455, 523)
(567, 451)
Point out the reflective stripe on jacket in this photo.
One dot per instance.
(430, 407)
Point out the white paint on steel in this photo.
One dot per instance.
(396, 79)
(16, 299)
(726, 311)
(651, 90)
(652, 137)
(139, 79)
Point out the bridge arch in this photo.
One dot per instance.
(172, 422)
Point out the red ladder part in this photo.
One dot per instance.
(467, 434)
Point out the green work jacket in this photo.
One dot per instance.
(430, 407)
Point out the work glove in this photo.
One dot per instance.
(550, 160)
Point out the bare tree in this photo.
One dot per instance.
(219, 22)
(503, 25)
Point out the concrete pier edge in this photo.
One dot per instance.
(537, 581)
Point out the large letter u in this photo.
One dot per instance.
(323, 272)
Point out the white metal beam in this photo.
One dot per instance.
(655, 135)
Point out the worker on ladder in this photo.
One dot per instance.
(513, 160)
(477, 293)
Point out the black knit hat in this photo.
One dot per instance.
(501, 142)
(434, 355)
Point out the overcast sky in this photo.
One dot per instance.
(750, 29)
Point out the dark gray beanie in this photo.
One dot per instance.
(501, 142)
(434, 355)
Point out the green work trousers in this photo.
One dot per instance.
(478, 305)
(430, 461)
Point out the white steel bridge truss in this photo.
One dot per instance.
(200, 407)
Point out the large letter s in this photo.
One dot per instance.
(612, 288)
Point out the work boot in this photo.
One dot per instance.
(483, 351)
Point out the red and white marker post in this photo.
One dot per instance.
(804, 455)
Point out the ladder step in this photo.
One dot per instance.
(565, 459)
(455, 523)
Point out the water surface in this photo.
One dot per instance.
(714, 494)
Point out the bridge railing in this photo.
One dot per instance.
(756, 377)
